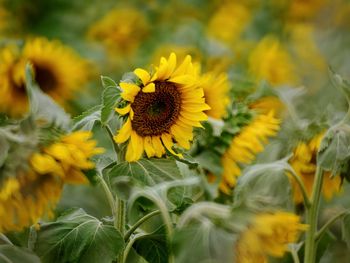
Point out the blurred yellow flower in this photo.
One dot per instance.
(266, 104)
(301, 10)
(245, 146)
(120, 30)
(229, 21)
(216, 93)
(270, 61)
(181, 52)
(268, 235)
(58, 70)
(163, 107)
(32, 194)
(304, 164)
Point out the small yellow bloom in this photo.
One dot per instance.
(271, 61)
(163, 110)
(120, 30)
(268, 235)
(245, 146)
(304, 164)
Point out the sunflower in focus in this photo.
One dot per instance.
(58, 70)
(268, 235)
(34, 191)
(216, 88)
(270, 61)
(161, 109)
(304, 164)
(120, 30)
(244, 147)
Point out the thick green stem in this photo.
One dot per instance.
(139, 223)
(120, 222)
(312, 218)
(302, 188)
(109, 195)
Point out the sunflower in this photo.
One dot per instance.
(304, 164)
(121, 29)
(216, 88)
(58, 70)
(270, 61)
(244, 146)
(162, 108)
(229, 21)
(34, 192)
(268, 235)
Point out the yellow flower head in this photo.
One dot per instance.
(216, 88)
(270, 61)
(58, 70)
(164, 107)
(268, 235)
(229, 21)
(122, 29)
(244, 147)
(304, 164)
(32, 194)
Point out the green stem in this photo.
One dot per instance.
(312, 218)
(120, 222)
(294, 254)
(109, 196)
(138, 223)
(302, 188)
(329, 223)
(130, 243)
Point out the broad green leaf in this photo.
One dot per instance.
(210, 161)
(153, 246)
(148, 171)
(264, 186)
(337, 252)
(78, 237)
(42, 107)
(110, 99)
(108, 82)
(87, 119)
(13, 254)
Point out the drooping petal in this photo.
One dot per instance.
(135, 148)
(123, 111)
(149, 147)
(130, 90)
(149, 88)
(143, 75)
(124, 133)
(168, 143)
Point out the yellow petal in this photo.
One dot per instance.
(149, 147)
(191, 107)
(163, 68)
(143, 75)
(183, 79)
(135, 148)
(157, 146)
(182, 69)
(171, 65)
(168, 143)
(130, 90)
(195, 116)
(124, 133)
(149, 88)
(123, 111)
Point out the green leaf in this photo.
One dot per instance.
(264, 186)
(211, 161)
(108, 82)
(13, 254)
(4, 149)
(153, 247)
(346, 230)
(87, 119)
(148, 171)
(42, 107)
(78, 237)
(110, 99)
(336, 252)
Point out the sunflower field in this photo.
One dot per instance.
(180, 131)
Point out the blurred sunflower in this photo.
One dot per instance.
(244, 147)
(265, 104)
(58, 70)
(181, 52)
(301, 10)
(163, 106)
(216, 88)
(229, 21)
(304, 164)
(34, 192)
(268, 235)
(120, 30)
(271, 61)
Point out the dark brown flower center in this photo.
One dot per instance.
(156, 112)
(45, 78)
